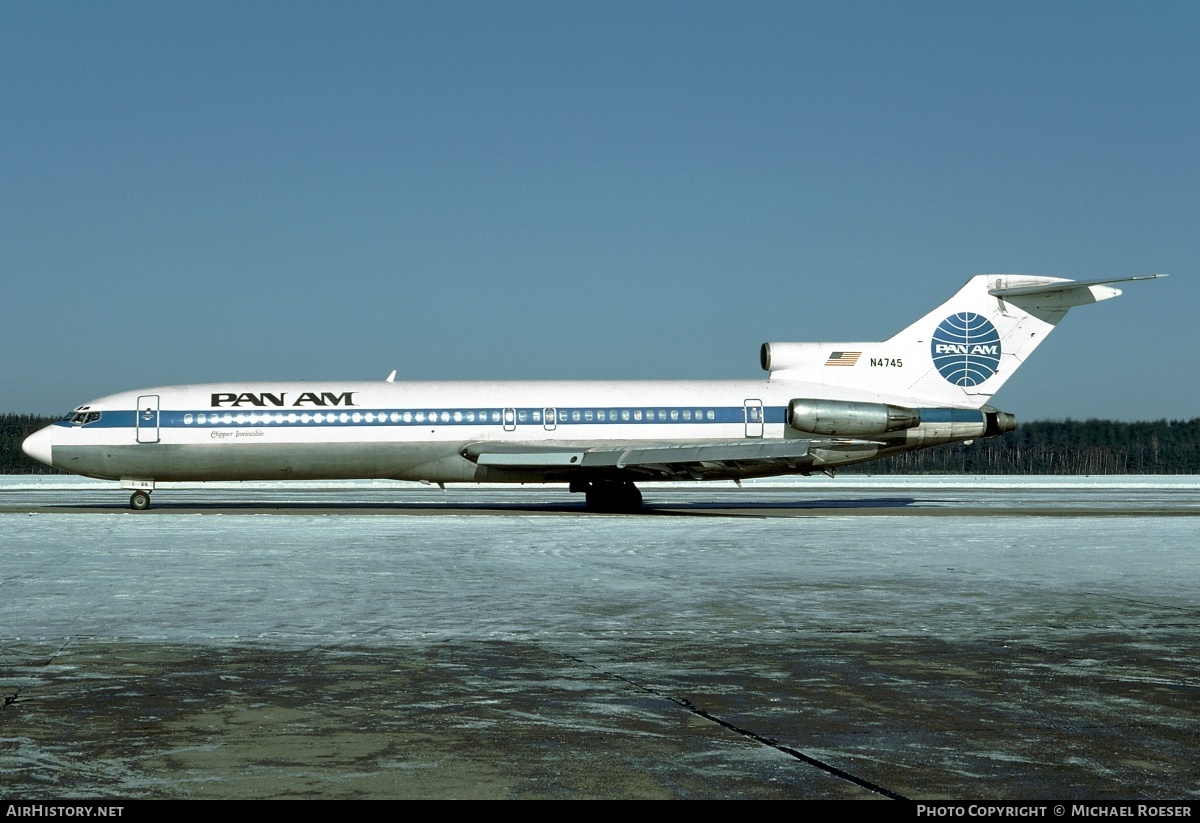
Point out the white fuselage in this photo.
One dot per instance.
(420, 431)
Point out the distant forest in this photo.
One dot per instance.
(1060, 447)
(1045, 447)
(13, 429)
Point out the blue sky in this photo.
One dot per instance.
(203, 191)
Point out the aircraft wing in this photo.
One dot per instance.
(668, 460)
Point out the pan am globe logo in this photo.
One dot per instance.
(966, 349)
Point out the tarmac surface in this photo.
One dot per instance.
(865, 639)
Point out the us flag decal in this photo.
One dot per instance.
(843, 358)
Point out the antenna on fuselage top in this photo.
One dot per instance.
(391, 378)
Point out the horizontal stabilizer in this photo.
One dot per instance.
(1069, 292)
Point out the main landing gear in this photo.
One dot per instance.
(613, 496)
(139, 501)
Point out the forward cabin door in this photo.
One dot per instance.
(754, 418)
(147, 418)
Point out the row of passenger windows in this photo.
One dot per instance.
(342, 417)
(549, 417)
(638, 415)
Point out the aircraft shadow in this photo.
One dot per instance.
(651, 508)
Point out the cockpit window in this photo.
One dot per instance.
(82, 418)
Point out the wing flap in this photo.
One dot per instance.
(673, 459)
(624, 455)
(486, 455)
(691, 453)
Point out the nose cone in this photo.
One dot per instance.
(37, 445)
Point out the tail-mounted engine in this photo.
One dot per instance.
(847, 418)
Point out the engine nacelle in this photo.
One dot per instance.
(783, 356)
(997, 422)
(848, 418)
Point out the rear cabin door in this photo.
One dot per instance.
(147, 418)
(754, 418)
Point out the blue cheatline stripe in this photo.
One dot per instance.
(476, 416)
(524, 417)
(951, 415)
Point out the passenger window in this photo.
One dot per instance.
(637, 415)
(710, 414)
(458, 417)
(625, 414)
(674, 414)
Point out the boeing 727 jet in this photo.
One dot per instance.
(823, 405)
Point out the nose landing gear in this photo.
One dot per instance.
(139, 501)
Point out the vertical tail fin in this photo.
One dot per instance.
(959, 354)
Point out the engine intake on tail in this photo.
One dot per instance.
(849, 418)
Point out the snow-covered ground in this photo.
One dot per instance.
(939, 637)
(1070, 491)
(312, 577)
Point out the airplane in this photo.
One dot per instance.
(823, 405)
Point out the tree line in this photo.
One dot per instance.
(13, 429)
(1060, 447)
(1042, 447)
